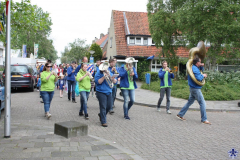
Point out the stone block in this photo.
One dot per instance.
(70, 129)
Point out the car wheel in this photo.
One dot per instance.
(32, 88)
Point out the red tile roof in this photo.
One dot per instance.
(100, 41)
(104, 55)
(138, 25)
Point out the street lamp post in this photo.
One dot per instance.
(92, 58)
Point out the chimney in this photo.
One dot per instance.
(101, 35)
(96, 39)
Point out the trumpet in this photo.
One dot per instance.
(90, 75)
(108, 78)
(115, 70)
(130, 68)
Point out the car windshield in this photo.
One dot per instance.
(19, 70)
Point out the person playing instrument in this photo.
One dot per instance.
(165, 75)
(113, 70)
(195, 92)
(103, 81)
(71, 81)
(48, 79)
(128, 76)
(61, 84)
(83, 77)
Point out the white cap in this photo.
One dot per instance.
(104, 66)
(129, 60)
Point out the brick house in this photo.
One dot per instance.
(129, 35)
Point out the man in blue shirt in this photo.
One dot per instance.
(71, 81)
(113, 70)
(104, 92)
(195, 92)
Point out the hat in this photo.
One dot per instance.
(129, 60)
(104, 66)
(60, 75)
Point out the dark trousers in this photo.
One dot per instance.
(168, 94)
(71, 84)
(105, 103)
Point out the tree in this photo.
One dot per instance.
(163, 26)
(29, 24)
(215, 22)
(78, 49)
(98, 52)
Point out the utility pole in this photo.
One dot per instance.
(7, 118)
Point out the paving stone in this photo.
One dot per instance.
(43, 144)
(121, 156)
(50, 149)
(74, 144)
(91, 158)
(61, 144)
(61, 154)
(32, 150)
(105, 158)
(98, 153)
(113, 151)
(80, 154)
(72, 158)
(26, 145)
(105, 147)
(52, 140)
(41, 155)
(69, 149)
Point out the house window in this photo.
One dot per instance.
(145, 41)
(156, 65)
(153, 43)
(138, 40)
(132, 40)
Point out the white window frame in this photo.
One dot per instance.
(146, 40)
(131, 38)
(136, 40)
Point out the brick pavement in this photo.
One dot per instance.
(150, 98)
(149, 134)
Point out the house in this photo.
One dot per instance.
(129, 35)
(102, 42)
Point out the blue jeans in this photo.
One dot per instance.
(195, 94)
(105, 103)
(83, 101)
(47, 98)
(71, 84)
(114, 92)
(128, 104)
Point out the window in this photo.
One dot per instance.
(156, 65)
(132, 40)
(145, 41)
(138, 40)
(153, 43)
(111, 42)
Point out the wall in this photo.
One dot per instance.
(111, 51)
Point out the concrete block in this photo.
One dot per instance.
(70, 129)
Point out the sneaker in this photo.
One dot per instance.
(69, 99)
(158, 109)
(181, 118)
(99, 117)
(111, 112)
(104, 125)
(126, 117)
(48, 115)
(86, 117)
(81, 114)
(169, 112)
(73, 101)
(206, 122)
(41, 102)
(40, 96)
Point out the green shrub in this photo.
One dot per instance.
(154, 76)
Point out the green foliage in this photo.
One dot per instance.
(218, 86)
(75, 51)
(154, 76)
(142, 66)
(98, 52)
(29, 24)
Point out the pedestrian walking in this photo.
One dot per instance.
(195, 92)
(128, 76)
(61, 84)
(71, 81)
(166, 75)
(103, 80)
(48, 79)
(84, 78)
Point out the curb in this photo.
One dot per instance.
(179, 108)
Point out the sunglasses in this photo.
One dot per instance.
(49, 66)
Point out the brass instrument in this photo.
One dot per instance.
(130, 68)
(108, 78)
(200, 51)
(171, 71)
(90, 75)
(115, 70)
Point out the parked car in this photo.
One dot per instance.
(22, 76)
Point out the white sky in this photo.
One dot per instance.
(84, 19)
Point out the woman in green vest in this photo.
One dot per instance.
(83, 77)
(48, 79)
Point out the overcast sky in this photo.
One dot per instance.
(84, 19)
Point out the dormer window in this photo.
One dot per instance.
(132, 40)
(138, 40)
(145, 41)
(153, 43)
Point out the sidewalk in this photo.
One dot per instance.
(40, 143)
(150, 99)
